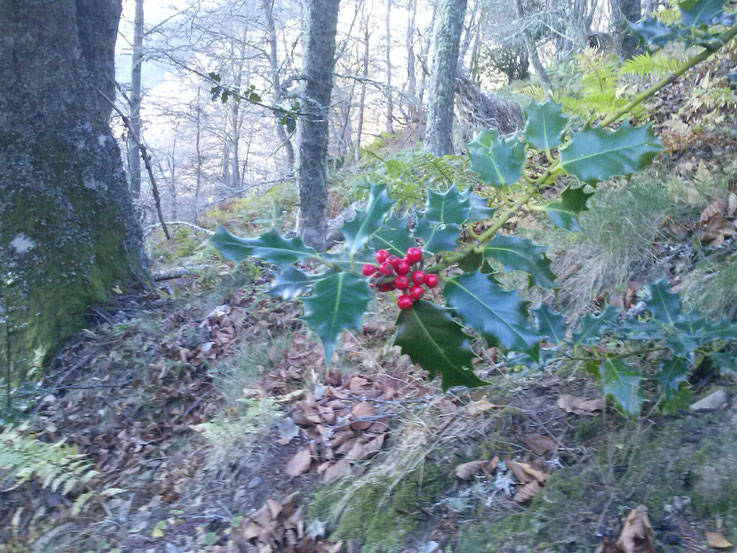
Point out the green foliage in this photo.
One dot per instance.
(545, 125)
(498, 161)
(520, 254)
(564, 213)
(621, 383)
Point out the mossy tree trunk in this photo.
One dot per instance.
(68, 230)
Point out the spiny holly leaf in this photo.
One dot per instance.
(270, 247)
(550, 324)
(621, 383)
(471, 262)
(292, 283)
(437, 343)
(498, 162)
(592, 326)
(337, 303)
(722, 330)
(692, 331)
(672, 374)
(448, 208)
(595, 154)
(520, 254)
(545, 125)
(652, 32)
(725, 362)
(437, 237)
(681, 399)
(392, 236)
(479, 208)
(564, 212)
(700, 12)
(499, 317)
(358, 230)
(663, 305)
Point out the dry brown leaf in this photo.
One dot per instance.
(608, 545)
(539, 444)
(363, 409)
(360, 451)
(717, 541)
(714, 208)
(637, 533)
(481, 406)
(527, 492)
(299, 463)
(579, 406)
(338, 470)
(524, 472)
(466, 471)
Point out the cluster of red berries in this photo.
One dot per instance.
(401, 267)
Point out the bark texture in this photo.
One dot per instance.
(624, 41)
(446, 48)
(68, 230)
(134, 156)
(318, 61)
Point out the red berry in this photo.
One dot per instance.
(404, 302)
(381, 255)
(414, 255)
(386, 269)
(418, 277)
(431, 281)
(402, 267)
(416, 292)
(386, 287)
(368, 269)
(393, 260)
(401, 283)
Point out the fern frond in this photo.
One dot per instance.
(645, 65)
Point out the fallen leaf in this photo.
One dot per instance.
(360, 451)
(578, 406)
(527, 492)
(637, 533)
(525, 472)
(539, 444)
(717, 541)
(363, 409)
(466, 471)
(299, 463)
(481, 406)
(338, 470)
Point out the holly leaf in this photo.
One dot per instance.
(621, 383)
(437, 343)
(393, 235)
(545, 125)
(450, 207)
(672, 374)
(479, 208)
(595, 154)
(437, 237)
(652, 32)
(499, 317)
(593, 326)
(520, 254)
(564, 212)
(700, 12)
(292, 283)
(663, 305)
(471, 262)
(550, 324)
(358, 230)
(337, 303)
(498, 161)
(270, 247)
(724, 361)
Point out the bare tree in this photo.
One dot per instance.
(389, 99)
(134, 156)
(622, 11)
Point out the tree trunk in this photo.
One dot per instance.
(389, 99)
(362, 96)
(134, 156)
(68, 229)
(424, 57)
(624, 41)
(281, 133)
(318, 61)
(411, 72)
(446, 46)
(531, 47)
(198, 153)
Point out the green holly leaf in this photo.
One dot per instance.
(593, 326)
(499, 162)
(292, 283)
(270, 247)
(564, 212)
(721, 330)
(337, 303)
(681, 399)
(450, 207)
(621, 383)
(520, 254)
(550, 324)
(595, 154)
(700, 12)
(545, 125)
(724, 361)
(479, 208)
(392, 236)
(437, 237)
(672, 374)
(437, 343)
(471, 262)
(652, 32)
(499, 317)
(663, 305)
(359, 230)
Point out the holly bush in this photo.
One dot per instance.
(442, 260)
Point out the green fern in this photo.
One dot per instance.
(59, 467)
(647, 65)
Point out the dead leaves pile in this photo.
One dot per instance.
(578, 406)
(342, 426)
(718, 221)
(278, 527)
(636, 535)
